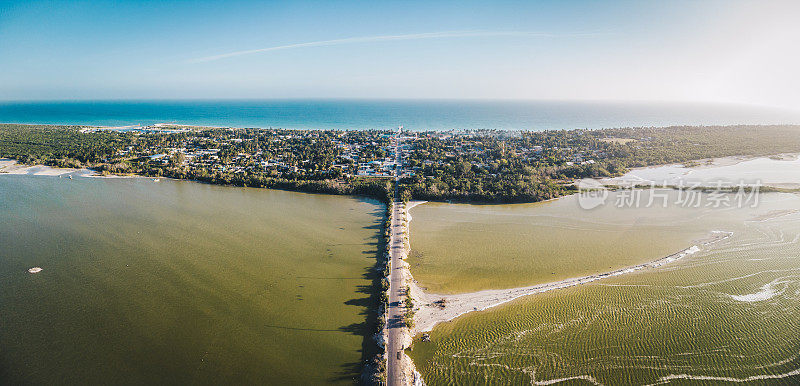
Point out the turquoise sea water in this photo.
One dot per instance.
(388, 114)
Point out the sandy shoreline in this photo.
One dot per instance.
(429, 310)
(708, 163)
(689, 167)
(410, 374)
(10, 166)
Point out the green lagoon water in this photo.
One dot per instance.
(728, 313)
(180, 283)
(463, 248)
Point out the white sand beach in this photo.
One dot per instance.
(10, 166)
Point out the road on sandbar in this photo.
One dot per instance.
(394, 321)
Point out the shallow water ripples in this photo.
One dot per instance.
(728, 313)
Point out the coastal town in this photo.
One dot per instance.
(449, 165)
(308, 154)
(347, 154)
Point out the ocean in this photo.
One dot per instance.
(389, 114)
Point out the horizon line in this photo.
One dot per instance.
(368, 98)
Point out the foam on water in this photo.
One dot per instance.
(700, 285)
(672, 377)
(768, 291)
(586, 378)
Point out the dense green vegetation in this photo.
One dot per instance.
(111, 152)
(485, 166)
(658, 146)
(59, 146)
(534, 166)
(484, 172)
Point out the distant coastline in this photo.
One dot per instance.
(388, 114)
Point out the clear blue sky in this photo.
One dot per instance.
(730, 51)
